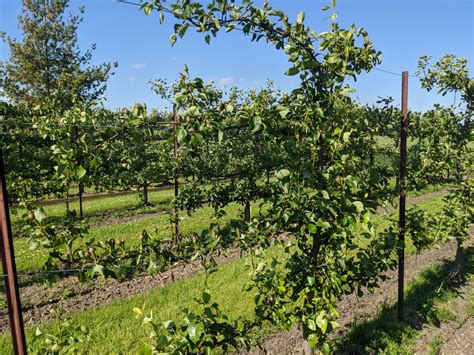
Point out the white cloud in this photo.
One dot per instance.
(228, 80)
(131, 78)
(138, 66)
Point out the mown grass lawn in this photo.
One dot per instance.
(125, 334)
(27, 259)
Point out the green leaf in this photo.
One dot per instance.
(325, 194)
(193, 111)
(300, 17)
(313, 340)
(173, 39)
(280, 174)
(147, 8)
(324, 8)
(345, 136)
(229, 107)
(34, 244)
(206, 296)
(98, 269)
(283, 111)
(256, 123)
(80, 172)
(162, 342)
(216, 23)
(359, 206)
(138, 312)
(169, 325)
(311, 324)
(162, 17)
(40, 214)
(292, 71)
(322, 321)
(323, 224)
(194, 331)
(333, 58)
(312, 228)
(181, 135)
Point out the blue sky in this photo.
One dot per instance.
(403, 30)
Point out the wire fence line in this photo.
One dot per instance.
(394, 73)
(80, 125)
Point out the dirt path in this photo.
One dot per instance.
(462, 341)
(353, 308)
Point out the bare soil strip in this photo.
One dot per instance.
(457, 335)
(354, 309)
(71, 296)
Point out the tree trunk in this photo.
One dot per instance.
(247, 211)
(69, 252)
(67, 201)
(81, 191)
(145, 193)
(457, 260)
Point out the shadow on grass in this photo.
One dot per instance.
(385, 334)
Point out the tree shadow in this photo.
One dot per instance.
(385, 334)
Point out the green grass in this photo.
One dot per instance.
(97, 206)
(129, 231)
(470, 304)
(123, 330)
(426, 299)
(435, 345)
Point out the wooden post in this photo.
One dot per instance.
(176, 172)
(403, 181)
(9, 269)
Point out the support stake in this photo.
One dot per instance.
(79, 161)
(402, 185)
(9, 269)
(176, 172)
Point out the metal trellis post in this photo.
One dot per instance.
(9, 269)
(176, 173)
(402, 182)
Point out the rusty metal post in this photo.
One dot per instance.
(176, 172)
(403, 181)
(9, 269)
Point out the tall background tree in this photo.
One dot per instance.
(47, 64)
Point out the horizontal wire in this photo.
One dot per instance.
(394, 73)
(72, 125)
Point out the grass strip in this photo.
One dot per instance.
(124, 332)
